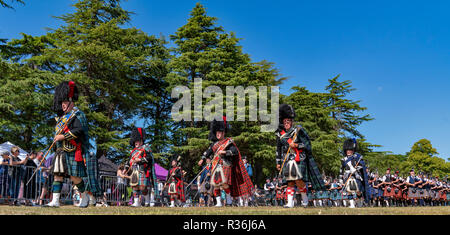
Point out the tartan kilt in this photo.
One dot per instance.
(420, 193)
(432, 194)
(142, 179)
(369, 191)
(179, 192)
(380, 192)
(323, 195)
(326, 194)
(92, 181)
(399, 194)
(405, 194)
(426, 192)
(309, 194)
(339, 195)
(279, 195)
(227, 174)
(436, 195)
(388, 194)
(74, 168)
(411, 194)
(333, 195)
(443, 196)
(217, 179)
(317, 195)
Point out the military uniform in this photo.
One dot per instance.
(388, 188)
(141, 166)
(354, 171)
(228, 170)
(72, 156)
(176, 184)
(334, 193)
(298, 164)
(412, 189)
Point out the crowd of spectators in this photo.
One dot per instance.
(18, 184)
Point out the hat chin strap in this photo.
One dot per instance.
(70, 106)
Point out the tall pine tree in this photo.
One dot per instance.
(314, 115)
(109, 62)
(204, 50)
(347, 113)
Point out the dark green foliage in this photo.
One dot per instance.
(314, 116)
(125, 77)
(4, 3)
(343, 110)
(113, 66)
(204, 50)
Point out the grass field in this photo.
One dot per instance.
(71, 210)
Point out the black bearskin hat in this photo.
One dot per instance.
(136, 135)
(66, 91)
(218, 126)
(286, 111)
(349, 144)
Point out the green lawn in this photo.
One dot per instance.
(71, 210)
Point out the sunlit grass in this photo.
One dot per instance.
(71, 210)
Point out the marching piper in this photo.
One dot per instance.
(204, 182)
(175, 181)
(426, 190)
(371, 191)
(420, 189)
(355, 175)
(388, 191)
(294, 157)
(435, 190)
(228, 170)
(397, 194)
(279, 192)
(412, 182)
(141, 165)
(72, 157)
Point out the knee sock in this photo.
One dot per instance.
(57, 186)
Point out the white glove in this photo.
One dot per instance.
(352, 169)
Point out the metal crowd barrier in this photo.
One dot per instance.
(15, 190)
(115, 190)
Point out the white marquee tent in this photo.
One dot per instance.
(7, 147)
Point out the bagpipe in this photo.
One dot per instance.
(214, 163)
(216, 160)
(134, 179)
(287, 154)
(168, 182)
(345, 186)
(60, 127)
(388, 185)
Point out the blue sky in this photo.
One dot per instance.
(396, 53)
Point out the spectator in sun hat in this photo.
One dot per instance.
(4, 167)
